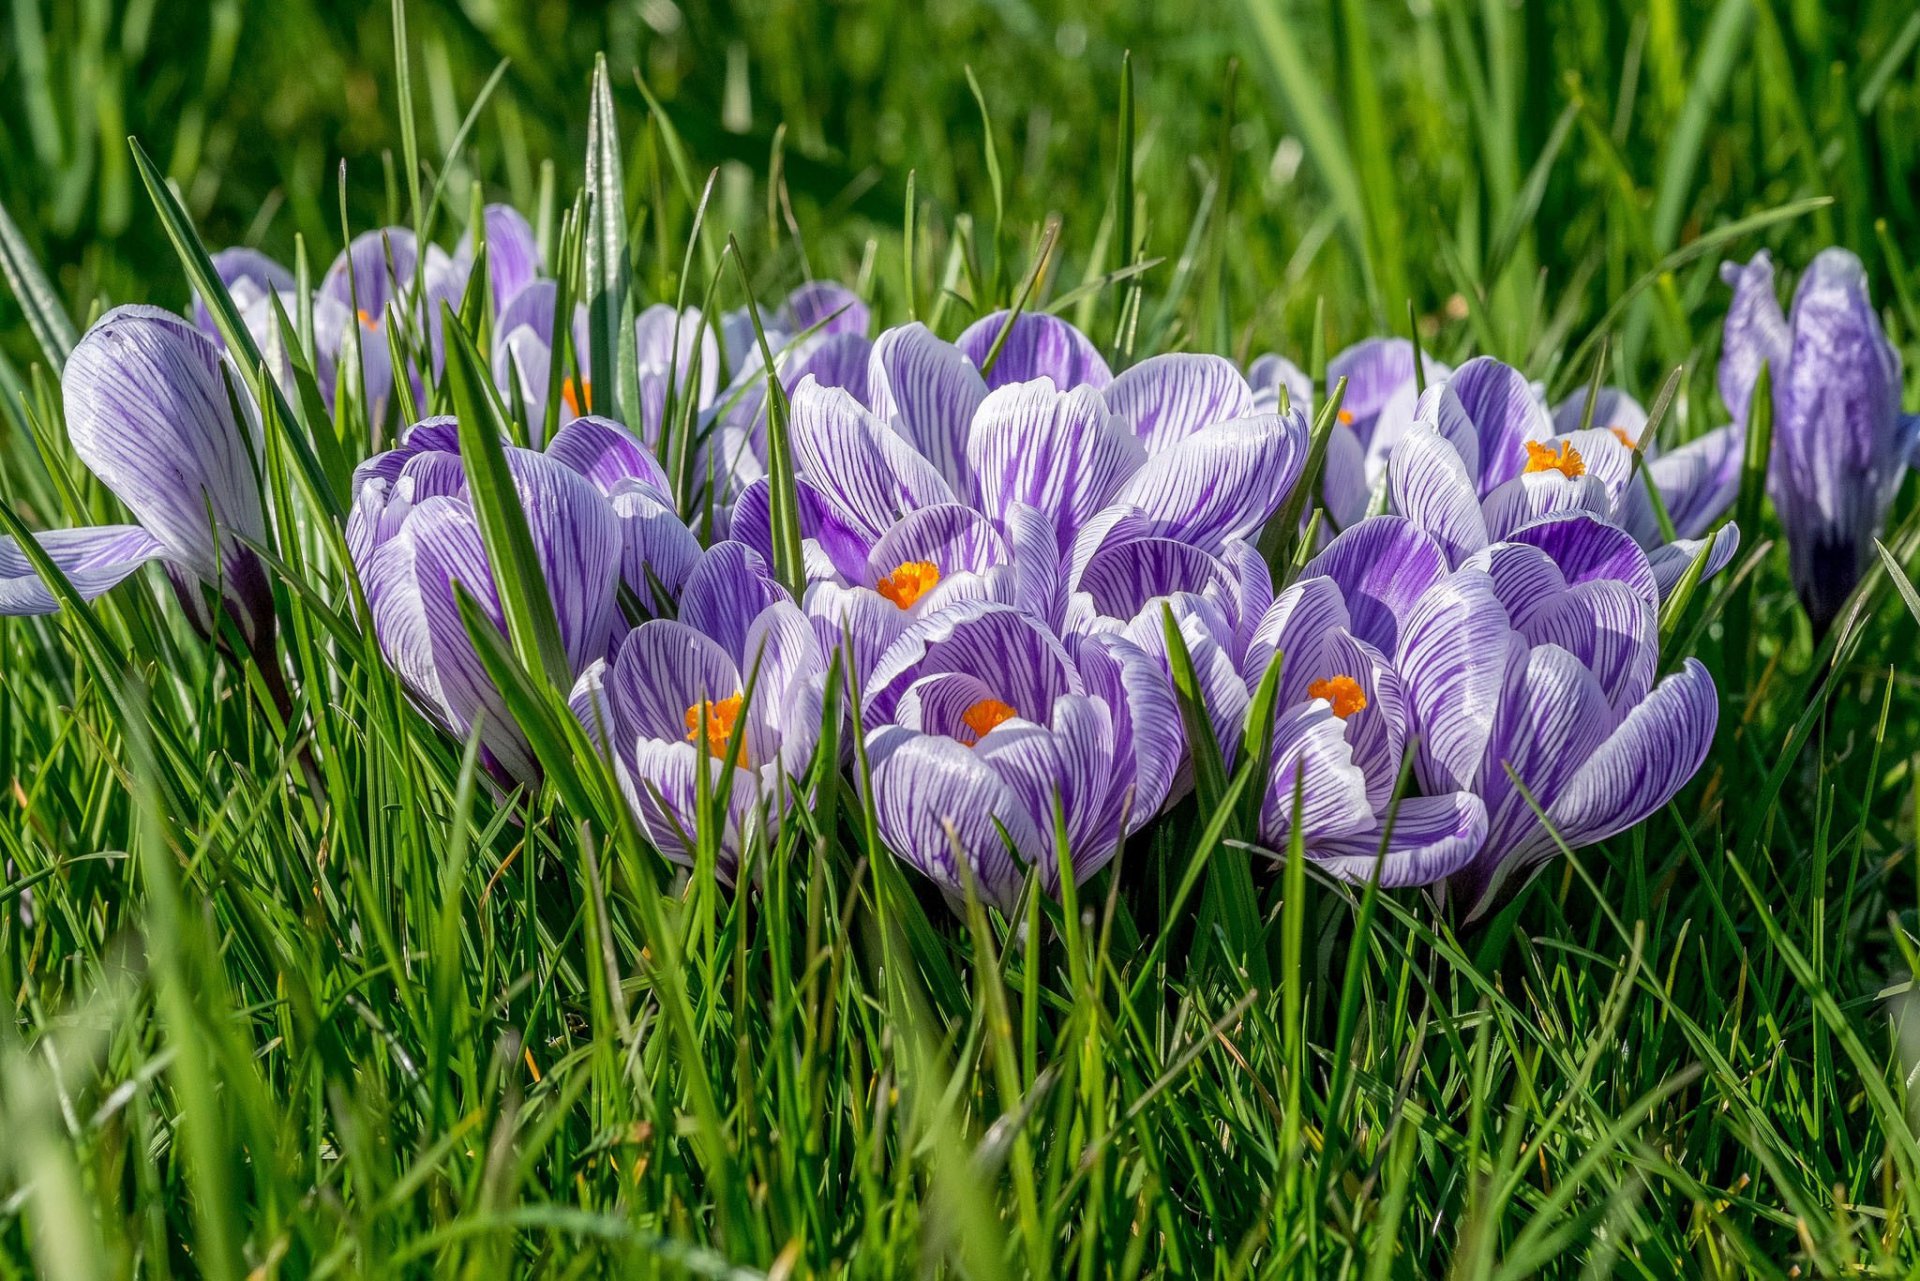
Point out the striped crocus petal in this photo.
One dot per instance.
(513, 254)
(1586, 547)
(1146, 722)
(150, 409)
(1221, 483)
(1382, 566)
(1506, 413)
(831, 306)
(249, 276)
(1699, 480)
(578, 541)
(676, 350)
(1037, 345)
(409, 582)
(94, 560)
(1377, 370)
(869, 476)
(1062, 453)
(927, 392)
(1429, 484)
(726, 591)
(1068, 762)
(377, 266)
(1167, 399)
(609, 456)
(1755, 333)
(1008, 649)
(940, 807)
(1671, 561)
(1428, 839)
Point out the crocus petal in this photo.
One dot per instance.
(1609, 628)
(1756, 333)
(724, 594)
(869, 475)
(856, 620)
(1295, 626)
(513, 254)
(1454, 655)
(1169, 398)
(1382, 566)
(248, 275)
(1669, 563)
(1220, 483)
(1428, 483)
(1063, 453)
(1432, 837)
(832, 306)
(1530, 496)
(94, 560)
(1146, 722)
(660, 783)
(1271, 374)
(1587, 547)
(657, 550)
(1122, 578)
(1376, 370)
(677, 344)
(928, 391)
(578, 541)
(1037, 346)
(1070, 762)
(1009, 650)
(1644, 762)
(1310, 751)
(1699, 480)
(607, 454)
(377, 265)
(148, 411)
(1345, 490)
(952, 538)
(1506, 413)
(932, 794)
(663, 668)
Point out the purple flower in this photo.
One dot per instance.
(980, 724)
(150, 410)
(734, 686)
(249, 276)
(1343, 723)
(598, 517)
(1839, 439)
(1521, 674)
(1480, 461)
(523, 351)
(379, 280)
(1374, 412)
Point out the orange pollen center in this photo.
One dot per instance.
(1620, 434)
(579, 398)
(1563, 458)
(714, 723)
(987, 715)
(1346, 418)
(1343, 694)
(368, 321)
(909, 583)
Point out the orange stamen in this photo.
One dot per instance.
(1346, 418)
(713, 722)
(1343, 694)
(987, 715)
(1620, 434)
(1563, 458)
(368, 321)
(909, 583)
(577, 397)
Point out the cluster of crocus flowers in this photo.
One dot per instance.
(995, 533)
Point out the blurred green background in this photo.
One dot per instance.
(1364, 151)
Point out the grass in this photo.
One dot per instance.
(301, 997)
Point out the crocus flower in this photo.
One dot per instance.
(1342, 722)
(523, 353)
(596, 516)
(1839, 439)
(734, 686)
(1527, 678)
(980, 723)
(513, 254)
(380, 280)
(1481, 460)
(150, 410)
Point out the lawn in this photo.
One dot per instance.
(304, 985)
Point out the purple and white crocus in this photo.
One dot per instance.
(1529, 675)
(150, 409)
(1481, 460)
(733, 687)
(598, 519)
(1840, 442)
(986, 740)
